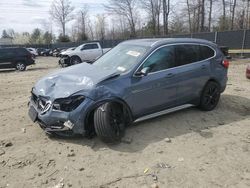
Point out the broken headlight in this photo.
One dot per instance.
(68, 104)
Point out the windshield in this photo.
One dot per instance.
(79, 47)
(121, 58)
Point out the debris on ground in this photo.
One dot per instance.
(162, 165)
(72, 154)
(154, 185)
(81, 169)
(181, 159)
(23, 130)
(155, 178)
(146, 170)
(59, 185)
(8, 144)
(168, 140)
(127, 140)
(2, 152)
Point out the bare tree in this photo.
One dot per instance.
(61, 12)
(126, 8)
(100, 26)
(166, 11)
(83, 19)
(224, 14)
(210, 14)
(153, 8)
(202, 15)
(232, 7)
(189, 16)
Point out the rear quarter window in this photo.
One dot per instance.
(206, 52)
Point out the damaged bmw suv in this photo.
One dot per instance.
(135, 81)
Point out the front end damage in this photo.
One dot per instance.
(55, 117)
(64, 61)
(61, 101)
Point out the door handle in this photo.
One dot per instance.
(170, 75)
(203, 66)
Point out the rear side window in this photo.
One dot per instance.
(189, 53)
(7, 52)
(21, 51)
(186, 54)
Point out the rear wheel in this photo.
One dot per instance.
(109, 122)
(210, 96)
(20, 66)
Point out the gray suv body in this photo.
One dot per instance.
(136, 80)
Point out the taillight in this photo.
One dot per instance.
(225, 63)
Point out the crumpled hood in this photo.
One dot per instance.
(67, 81)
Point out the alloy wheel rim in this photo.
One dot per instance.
(211, 96)
(20, 66)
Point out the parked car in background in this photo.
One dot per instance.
(64, 52)
(248, 71)
(57, 51)
(18, 58)
(33, 51)
(40, 50)
(45, 52)
(135, 81)
(87, 52)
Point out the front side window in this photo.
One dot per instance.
(161, 59)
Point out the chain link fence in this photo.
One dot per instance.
(239, 39)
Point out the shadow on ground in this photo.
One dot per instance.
(231, 109)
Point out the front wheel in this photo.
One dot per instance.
(75, 60)
(109, 122)
(20, 66)
(210, 96)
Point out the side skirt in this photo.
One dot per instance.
(167, 111)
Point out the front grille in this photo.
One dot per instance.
(40, 102)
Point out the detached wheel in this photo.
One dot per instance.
(75, 60)
(109, 122)
(210, 96)
(20, 66)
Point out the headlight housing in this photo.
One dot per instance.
(68, 104)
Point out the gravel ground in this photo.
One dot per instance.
(188, 148)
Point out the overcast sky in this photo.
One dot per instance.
(25, 15)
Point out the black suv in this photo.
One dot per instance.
(18, 58)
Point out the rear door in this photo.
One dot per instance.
(6, 58)
(91, 51)
(192, 71)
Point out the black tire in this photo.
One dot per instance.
(210, 96)
(75, 60)
(20, 66)
(109, 122)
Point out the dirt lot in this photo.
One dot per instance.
(204, 149)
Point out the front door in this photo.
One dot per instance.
(157, 90)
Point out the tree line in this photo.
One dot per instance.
(124, 19)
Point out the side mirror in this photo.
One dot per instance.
(143, 72)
